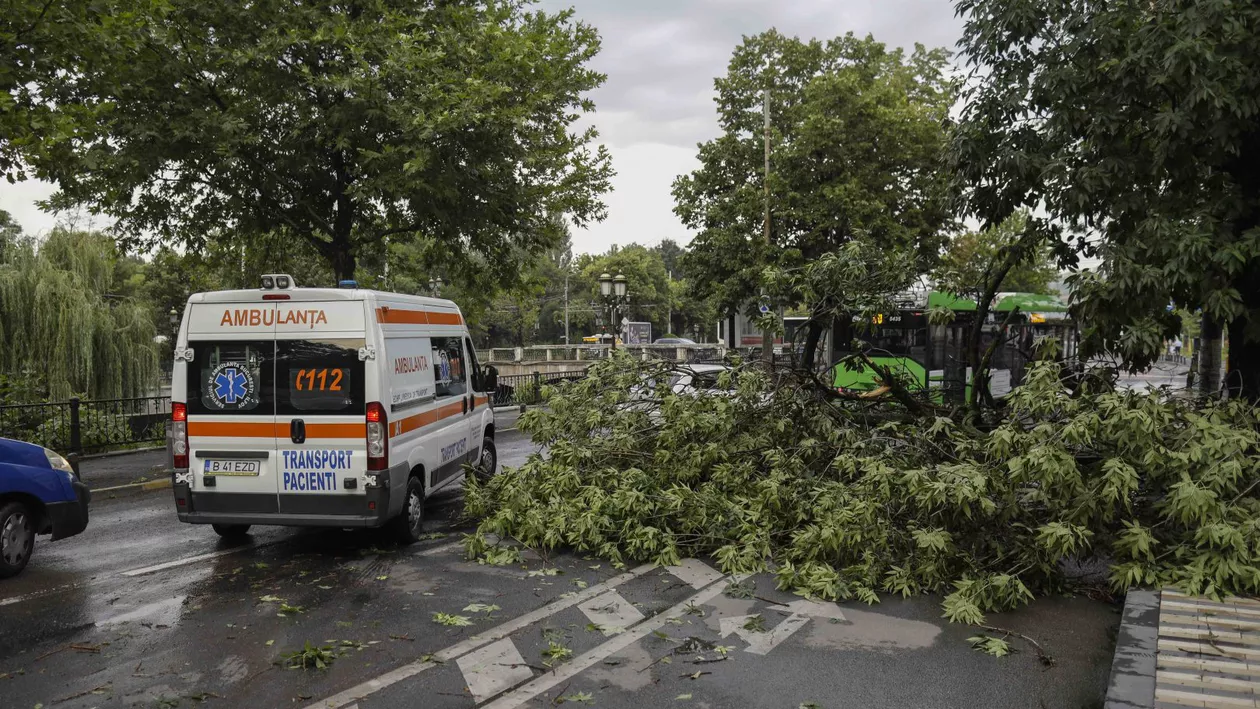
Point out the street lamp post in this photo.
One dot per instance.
(615, 292)
(435, 286)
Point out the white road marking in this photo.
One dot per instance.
(493, 669)
(761, 642)
(567, 671)
(464, 647)
(816, 609)
(143, 571)
(38, 594)
(166, 611)
(612, 613)
(695, 573)
(439, 549)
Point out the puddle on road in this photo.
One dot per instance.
(233, 669)
(159, 613)
(871, 631)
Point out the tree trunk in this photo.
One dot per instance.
(343, 264)
(1243, 377)
(1209, 355)
(811, 345)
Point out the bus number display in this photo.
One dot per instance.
(323, 379)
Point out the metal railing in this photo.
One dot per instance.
(82, 426)
(526, 389)
(584, 353)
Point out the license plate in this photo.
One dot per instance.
(233, 467)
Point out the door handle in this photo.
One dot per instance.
(465, 403)
(297, 431)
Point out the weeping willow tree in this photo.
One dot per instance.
(67, 326)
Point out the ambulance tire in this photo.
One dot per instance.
(489, 460)
(231, 531)
(408, 524)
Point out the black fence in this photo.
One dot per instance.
(526, 389)
(83, 427)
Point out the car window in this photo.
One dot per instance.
(450, 372)
(475, 365)
(231, 377)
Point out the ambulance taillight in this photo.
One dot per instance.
(377, 438)
(179, 435)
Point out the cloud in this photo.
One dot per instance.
(661, 58)
(19, 200)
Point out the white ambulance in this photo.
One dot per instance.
(334, 407)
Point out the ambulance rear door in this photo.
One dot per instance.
(321, 389)
(231, 407)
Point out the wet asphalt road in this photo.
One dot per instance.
(142, 611)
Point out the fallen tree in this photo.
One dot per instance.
(848, 499)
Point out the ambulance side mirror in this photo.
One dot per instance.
(490, 378)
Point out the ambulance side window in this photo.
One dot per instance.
(231, 378)
(475, 365)
(450, 371)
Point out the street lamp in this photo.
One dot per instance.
(616, 295)
(435, 286)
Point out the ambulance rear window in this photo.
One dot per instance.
(319, 376)
(230, 378)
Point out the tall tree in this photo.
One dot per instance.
(857, 131)
(72, 319)
(445, 124)
(1135, 126)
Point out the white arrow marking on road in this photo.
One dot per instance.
(816, 609)
(694, 572)
(493, 669)
(762, 642)
(612, 613)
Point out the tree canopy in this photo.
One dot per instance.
(448, 125)
(970, 255)
(71, 318)
(856, 135)
(1134, 126)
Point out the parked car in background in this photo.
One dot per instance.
(39, 494)
(674, 341)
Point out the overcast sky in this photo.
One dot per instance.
(661, 57)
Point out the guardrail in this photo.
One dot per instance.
(84, 426)
(526, 389)
(583, 353)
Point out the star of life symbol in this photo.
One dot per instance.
(229, 385)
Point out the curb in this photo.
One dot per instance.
(160, 484)
(1132, 684)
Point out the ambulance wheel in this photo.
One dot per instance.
(406, 526)
(231, 531)
(489, 460)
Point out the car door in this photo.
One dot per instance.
(321, 408)
(452, 390)
(231, 408)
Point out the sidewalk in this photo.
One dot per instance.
(124, 469)
(1178, 651)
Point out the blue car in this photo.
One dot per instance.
(39, 494)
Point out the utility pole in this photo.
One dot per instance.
(669, 298)
(767, 338)
(566, 303)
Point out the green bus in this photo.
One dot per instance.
(926, 356)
